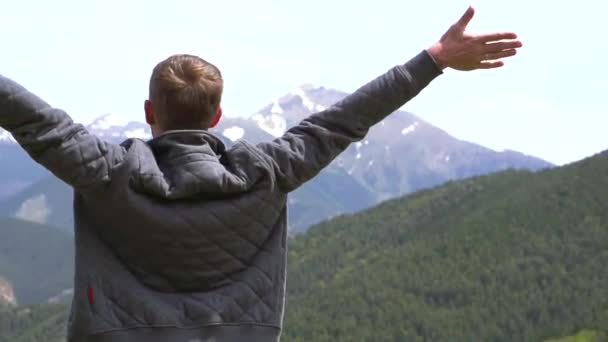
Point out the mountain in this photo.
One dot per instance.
(512, 256)
(37, 260)
(402, 154)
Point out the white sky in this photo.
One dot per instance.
(95, 57)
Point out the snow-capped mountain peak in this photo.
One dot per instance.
(117, 128)
(272, 124)
(306, 101)
(276, 108)
(309, 86)
(108, 121)
(289, 109)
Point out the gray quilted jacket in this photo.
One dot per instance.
(179, 238)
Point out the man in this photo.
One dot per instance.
(181, 239)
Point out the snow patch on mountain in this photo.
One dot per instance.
(276, 108)
(138, 133)
(108, 121)
(272, 124)
(409, 129)
(234, 133)
(306, 101)
(35, 209)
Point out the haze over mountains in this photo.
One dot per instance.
(400, 155)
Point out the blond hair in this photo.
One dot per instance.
(185, 91)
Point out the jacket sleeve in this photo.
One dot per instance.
(53, 140)
(304, 150)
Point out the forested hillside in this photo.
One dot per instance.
(36, 259)
(514, 256)
(42, 323)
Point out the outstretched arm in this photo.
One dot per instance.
(304, 150)
(53, 140)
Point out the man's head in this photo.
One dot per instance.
(185, 93)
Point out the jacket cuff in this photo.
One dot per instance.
(421, 70)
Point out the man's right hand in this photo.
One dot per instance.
(464, 51)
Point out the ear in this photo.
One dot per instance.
(216, 119)
(150, 115)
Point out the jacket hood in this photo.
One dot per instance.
(190, 164)
(173, 143)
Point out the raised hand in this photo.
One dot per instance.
(464, 51)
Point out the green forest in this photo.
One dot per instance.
(511, 256)
(39, 323)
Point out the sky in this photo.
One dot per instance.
(95, 57)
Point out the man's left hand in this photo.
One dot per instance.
(464, 51)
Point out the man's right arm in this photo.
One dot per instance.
(304, 150)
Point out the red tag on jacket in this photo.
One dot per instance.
(90, 295)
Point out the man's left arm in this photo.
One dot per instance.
(53, 140)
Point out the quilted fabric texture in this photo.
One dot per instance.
(179, 238)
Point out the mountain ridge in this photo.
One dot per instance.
(401, 154)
